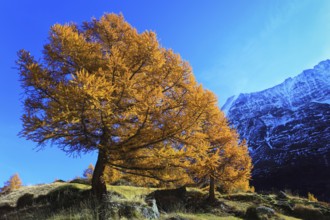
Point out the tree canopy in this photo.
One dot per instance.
(13, 183)
(103, 86)
(223, 159)
(88, 173)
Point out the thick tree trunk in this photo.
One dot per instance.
(99, 188)
(211, 189)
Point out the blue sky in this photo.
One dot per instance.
(234, 46)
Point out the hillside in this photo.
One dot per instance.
(63, 200)
(287, 131)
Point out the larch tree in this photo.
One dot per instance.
(234, 172)
(223, 158)
(103, 86)
(13, 183)
(173, 172)
(88, 173)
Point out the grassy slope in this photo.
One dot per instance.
(235, 204)
(36, 190)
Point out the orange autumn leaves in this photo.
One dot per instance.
(13, 183)
(103, 86)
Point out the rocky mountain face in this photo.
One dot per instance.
(287, 129)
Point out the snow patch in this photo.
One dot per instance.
(227, 106)
(327, 101)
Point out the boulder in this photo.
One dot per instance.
(131, 211)
(259, 213)
(170, 199)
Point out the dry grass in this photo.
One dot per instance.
(228, 206)
(284, 217)
(197, 216)
(37, 190)
(130, 193)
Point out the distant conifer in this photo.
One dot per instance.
(88, 173)
(12, 184)
(311, 197)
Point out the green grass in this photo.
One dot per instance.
(131, 193)
(79, 186)
(239, 206)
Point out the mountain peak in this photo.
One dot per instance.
(323, 65)
(287, 130)
(310, 85)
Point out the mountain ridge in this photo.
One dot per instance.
(323, 65)
(287, 129)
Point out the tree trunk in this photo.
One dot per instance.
(99, 188)
(211, 189)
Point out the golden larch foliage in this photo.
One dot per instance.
(12, 184)
(112, 175)
(88, 173)
(311, 197)
(103, 86)
(224, 160)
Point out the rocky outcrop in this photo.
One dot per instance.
(287, 129)
(169, 199)
(131, 210)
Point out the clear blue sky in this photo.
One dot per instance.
(233, 46)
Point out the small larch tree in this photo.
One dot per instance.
(13, 183)
(224, 160)
(235, 170)
(105, 87)
(88, 173)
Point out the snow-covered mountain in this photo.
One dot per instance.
(287, 128)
